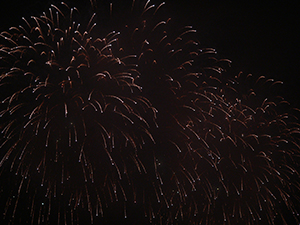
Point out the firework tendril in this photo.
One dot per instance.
(105, 120)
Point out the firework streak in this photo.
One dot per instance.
(108, 120)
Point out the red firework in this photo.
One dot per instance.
(106, 119)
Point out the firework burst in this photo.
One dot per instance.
(132, 115)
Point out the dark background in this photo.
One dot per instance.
(261, 38)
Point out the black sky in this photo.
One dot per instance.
(261, 38)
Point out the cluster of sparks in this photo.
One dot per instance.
(138, 118)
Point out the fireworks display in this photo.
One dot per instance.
(120, 114)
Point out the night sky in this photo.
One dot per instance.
(260, 38)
